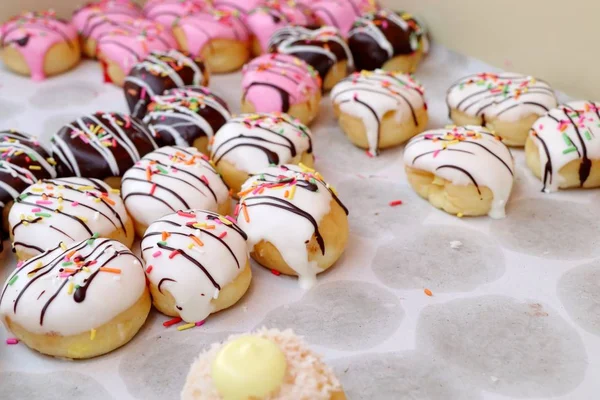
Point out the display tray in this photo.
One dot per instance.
(515, 305)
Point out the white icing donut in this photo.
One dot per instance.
(73, 289)
(66, 210)
(463, 156)
(252, 142)
(284, 205)
(170, 179)
(370, 95)
(565, 134)
(194, 254)
(507, 96)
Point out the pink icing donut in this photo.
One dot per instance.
(341, 13)
(200, 28)
(275, 82)
(33, 34)
(131, 42)
(168, 11)
(243, 7)
(86, 18)
(263, 21)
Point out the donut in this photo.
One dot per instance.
(168, 11)
(380, 109)
(159, 72)
(264, 20)
(506, 103)
(281, 83)
(169, 179)
(247, 144)
(197, 264)
(66, 210)
(218, 37)
(563, 148)
(95, 19)
(341, 13)
(101, 145)
(266, 364)
(189, 116)
(466, 171)
(294, 221)
(77, 301)
(38, 44)
(323, 48)
(242, 7)
(121, 48)
(388, 40)
(23, 160)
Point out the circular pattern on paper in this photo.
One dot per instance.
(58, 385)
(579, 291)
(76, 93)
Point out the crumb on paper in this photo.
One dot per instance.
(455, 244)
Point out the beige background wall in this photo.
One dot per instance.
(555, 40)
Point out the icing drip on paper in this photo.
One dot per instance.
(464, 156)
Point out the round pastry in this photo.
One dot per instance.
(264, 20)
(505, 103)
(23, 160)
(281, 83)
(563, 148)
(101, 145)
(171, 179)
(39, 45)
(159, 72)
(247, 144)
(323, 48)
(341, 13)
(168, 11)
(466, 171)
(186, 117)
(218, 37)
(267, 364)
(95, 19)
(379, 109)
(197, 264)
(294, 221)
(66, 210)
(128, 43)
(242, 7)
(388, 40)
(77, 301)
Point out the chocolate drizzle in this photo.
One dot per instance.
(163, 280)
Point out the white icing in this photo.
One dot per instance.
(278, 133)
(565, 134)
(223, 259)
(507, 96)
(455, 153)
(190, 181)
(82, 212)
(105, 298)
(286, 230)
(370, 95)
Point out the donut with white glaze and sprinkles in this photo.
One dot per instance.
(380, 109)
(506, 103)
(67, 210)
(465, 171)
(77, 301)
(170, 179)
(101, 145)
(159, 72)
(294, 221)
(196, 264)
(563, 147)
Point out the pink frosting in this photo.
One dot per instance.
(273, 82)
(201, 28)
(243, 7)
(265, 20)
(101, 24)
(84, 18)
(168, 11)
(341, 13)
(33, 34)
(131, 42)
